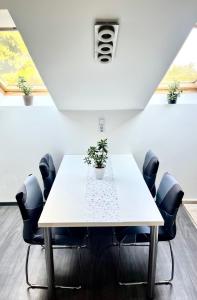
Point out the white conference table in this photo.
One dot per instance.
(69, 204)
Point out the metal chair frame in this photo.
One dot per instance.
(168, 281)
(37, 286)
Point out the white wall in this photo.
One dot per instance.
(26, 133)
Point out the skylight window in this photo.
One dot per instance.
(184, 67)
(15, 61)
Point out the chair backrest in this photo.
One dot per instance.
(150, 168)
(48, 173)
(30, 202)
(168, 199)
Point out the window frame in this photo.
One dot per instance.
(189, 87)
(14, 90)
(184, 86)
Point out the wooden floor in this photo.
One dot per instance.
(98, 279)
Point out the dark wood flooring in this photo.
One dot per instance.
(99, 279)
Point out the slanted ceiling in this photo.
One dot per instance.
(60, 37)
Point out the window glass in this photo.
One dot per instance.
(184, 67)
(15, 61)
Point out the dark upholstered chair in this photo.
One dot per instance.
(168, 199)
(48, 173)
(30, 202)
(150, 168)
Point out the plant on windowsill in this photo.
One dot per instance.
(26, 90)
(97, 156)
(174, 92)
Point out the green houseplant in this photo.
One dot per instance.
(97, 156)
(26, 90)
(174, 92)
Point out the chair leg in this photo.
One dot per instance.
(119, 264)
(33, 286)
(36, 286)
(172, 261)
(79, 263)
(26, 265)
(80, 266)
(169, 281)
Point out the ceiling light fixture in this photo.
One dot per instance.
(104, 59)
(105, 48)
(105, 41)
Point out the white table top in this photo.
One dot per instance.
(70, 205)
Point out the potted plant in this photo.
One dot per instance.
(174, 92)
(97, 156)
(26, 89)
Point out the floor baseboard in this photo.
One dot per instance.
(192, 212)
(8, 203)
(189, 201)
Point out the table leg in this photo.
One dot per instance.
(152, 260)
(49, 262)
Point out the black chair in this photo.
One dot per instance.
(150, 168)
(30, 202)
(48, 173)
(168, 199)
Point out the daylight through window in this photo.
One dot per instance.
(184, 67)
(15, 61)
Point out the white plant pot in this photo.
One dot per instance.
(28, 100)
(99, 172)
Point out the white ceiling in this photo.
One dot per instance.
(60, 38)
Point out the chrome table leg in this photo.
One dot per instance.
(49, 262)
(152, 260)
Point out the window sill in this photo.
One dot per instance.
(41, 100)
(185, 98)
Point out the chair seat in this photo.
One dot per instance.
(139, 234)
(62, 236)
